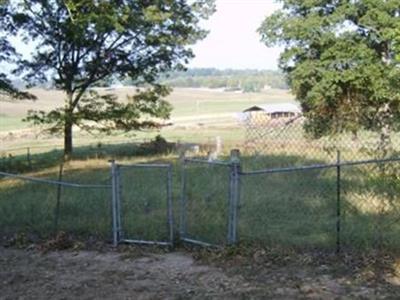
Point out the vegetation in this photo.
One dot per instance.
(248, 81)
(214, 110)
(298, 212)
(7, 54)
(79, 43)
(340, 61)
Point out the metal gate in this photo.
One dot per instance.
(209, 202)
(142, 204)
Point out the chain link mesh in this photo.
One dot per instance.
(296, 209)
(206, 202)
(41, 209)
(144, 203)
(357, 205)
(285, 142)
(27, 207)
(371, 206)
(85, 212)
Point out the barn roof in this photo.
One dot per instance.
(275, 108)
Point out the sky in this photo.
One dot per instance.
(233, 41)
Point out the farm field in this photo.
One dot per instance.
(198, 115)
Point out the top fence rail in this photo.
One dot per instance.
(320, 166)
(144, 165)
(55, 182)
(206, 161)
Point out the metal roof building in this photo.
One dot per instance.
(274, 108)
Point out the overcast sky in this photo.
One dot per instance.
(233, 41)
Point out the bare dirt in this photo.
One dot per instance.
(32, 274)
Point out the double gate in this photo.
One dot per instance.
(142, 205)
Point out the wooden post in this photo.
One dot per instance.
(28, 158)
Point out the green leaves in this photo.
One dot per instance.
(82, 43)
(8, 54)
(341, 59)
(105, 112)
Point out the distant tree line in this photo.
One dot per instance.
(231, 80)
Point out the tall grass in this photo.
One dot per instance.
(296, 209)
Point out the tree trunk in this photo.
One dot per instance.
(68, 111)
(67, 139)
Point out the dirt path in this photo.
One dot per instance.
(111, 275)
(93, 275)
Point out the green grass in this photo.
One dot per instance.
(296, 209)
(293, 209)
(8, 123)
(299, 209)
(31, 207)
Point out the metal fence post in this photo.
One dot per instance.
(169, 205)
(114, 203)
(57, 209)
(118, 202)
(338, 202)
(182, 210)
(234, 185)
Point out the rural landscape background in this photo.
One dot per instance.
(199, 114)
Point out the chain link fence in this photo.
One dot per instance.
(205, 199)
(41, 207)
(354, 205)
(370, 195)
(282, 142)
(351, 205)
(295, 208)
(143, 204)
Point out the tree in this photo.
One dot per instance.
(7, 53)
(79, 43)
(339, 59)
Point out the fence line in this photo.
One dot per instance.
(54, 182)
(320, 166)
(212, 162)
(200, 196)
(331, 205)
(143, 165)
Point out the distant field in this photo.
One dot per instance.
(186, 101)
(198, 115)
(8, 123)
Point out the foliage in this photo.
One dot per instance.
(339, 59)
(81, 43)
(7, 53)
(245, 80)
(158, 145)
